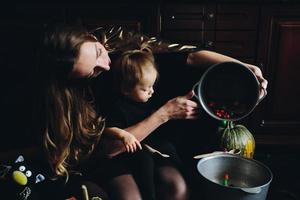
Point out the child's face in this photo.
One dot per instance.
(144, 89)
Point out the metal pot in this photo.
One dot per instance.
(248, 179)
(228, 91)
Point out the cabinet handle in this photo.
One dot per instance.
(209, 43)
(210, 15)
(173, 17)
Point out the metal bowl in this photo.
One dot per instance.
(248, 179)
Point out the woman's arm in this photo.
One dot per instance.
(181, 107)
(206, 58)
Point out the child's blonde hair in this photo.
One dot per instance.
(130, 68)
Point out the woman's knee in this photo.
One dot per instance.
(94, 190)
(123, 187)
(172, 184)
(178, 189)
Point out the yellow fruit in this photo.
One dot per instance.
(19, 178)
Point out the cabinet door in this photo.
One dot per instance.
(188, 16)
(236, 30)
(189, 23)
(134, 17)
(236, 44)
(278, 119)
(238, 16)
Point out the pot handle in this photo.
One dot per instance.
(195, 90)
(265, 94)
(254, 190)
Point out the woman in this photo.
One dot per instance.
(67, 120)
(71, 128)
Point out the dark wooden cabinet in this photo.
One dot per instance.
(230, 29)
(237, 44)
(236, 30)
(278, 120)
(237, 16)
(132, 16)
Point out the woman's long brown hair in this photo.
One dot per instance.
(69, 122)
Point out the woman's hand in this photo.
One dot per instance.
(130, 142)
(181, 107)
(263, 82)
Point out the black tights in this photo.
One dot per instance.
(170, 184)
(142, 167)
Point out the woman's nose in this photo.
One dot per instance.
(151, 91)
(108, 58)
(104, 62)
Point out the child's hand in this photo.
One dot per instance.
(131, 143)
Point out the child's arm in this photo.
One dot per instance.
(130, 142)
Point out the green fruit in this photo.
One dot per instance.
(237, 137)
